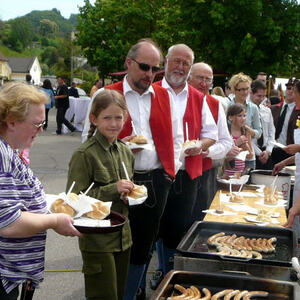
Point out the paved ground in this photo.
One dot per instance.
(50, 156)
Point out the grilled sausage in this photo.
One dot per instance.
(197, 294)
(221, 294)
(254, 294)
(207, 294)
(240, 295)
(182, 290)
(230, 295)
(211, 239)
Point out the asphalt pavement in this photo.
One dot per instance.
(49, 158)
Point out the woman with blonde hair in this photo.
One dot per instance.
(240, 87)
(217, 90)
(23, 219)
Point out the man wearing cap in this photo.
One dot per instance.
(285, 115)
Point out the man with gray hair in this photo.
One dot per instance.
(198, 125)
(201, 77)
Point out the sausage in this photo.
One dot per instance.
(240, 295)
(197, 294)
(180, 289)
(211, 239)
(230, 295)
(220, 294)
(254, 294)
(190, 294)
(256, 255)
(207, 294)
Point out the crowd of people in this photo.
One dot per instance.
(180, 183)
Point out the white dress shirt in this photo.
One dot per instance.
(209, 128)
(268, 130)
(224, 143)
(139, 107)
(283, 135)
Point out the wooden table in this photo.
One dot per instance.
(239, 217)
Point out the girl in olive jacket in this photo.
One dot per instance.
(99, 160)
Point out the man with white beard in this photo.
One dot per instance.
(198, 124)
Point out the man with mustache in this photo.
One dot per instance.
(151, 109)
(195, 115)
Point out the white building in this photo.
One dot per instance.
(21, 66)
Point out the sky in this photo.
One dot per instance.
(10, 9)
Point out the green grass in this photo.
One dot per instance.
(26, 53)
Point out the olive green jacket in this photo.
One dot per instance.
(99, 161)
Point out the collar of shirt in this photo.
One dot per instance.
(127, 88)
(183, 94)
(290, 105)
(104, 143)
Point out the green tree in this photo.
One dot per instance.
(48, 27)
(21, 34)
(242, 35)
(108, 29)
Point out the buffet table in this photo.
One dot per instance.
(239, 217)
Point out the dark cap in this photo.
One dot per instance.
(292, 81)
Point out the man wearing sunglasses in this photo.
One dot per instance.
(152, 111)
(198, 124)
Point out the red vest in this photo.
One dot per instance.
(213, 105)
(160, 123)
(193, 116)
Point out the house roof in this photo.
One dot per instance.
(2, 57)
(21, 64)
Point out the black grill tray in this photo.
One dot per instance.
(217, 282)
(194, 243)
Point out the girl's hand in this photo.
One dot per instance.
(241, 140)
(124, 186)
(234, 151)
(292, 148)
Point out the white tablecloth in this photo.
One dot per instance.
(78, 110)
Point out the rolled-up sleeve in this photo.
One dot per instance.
(209, 127)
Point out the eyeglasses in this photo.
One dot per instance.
(146, 67)
(178, 62)
(204, 79)
(243, 89)
(40, 125)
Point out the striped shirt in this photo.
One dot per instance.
(20, 258)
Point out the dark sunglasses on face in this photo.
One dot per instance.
(146, 67)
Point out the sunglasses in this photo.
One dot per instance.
(146, 67)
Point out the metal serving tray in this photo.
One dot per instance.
(217, 282)
(194, 243)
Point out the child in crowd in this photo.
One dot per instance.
(236, 116)
(99, 160)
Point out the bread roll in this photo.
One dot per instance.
(59, 206)
(139, 139)
(100, 211)
(73, 197)
(138, 191)
(189, 143)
